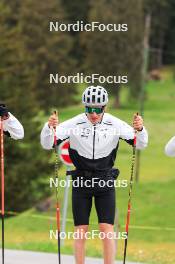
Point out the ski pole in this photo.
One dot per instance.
(130, 192)
(2, 185)
(57, 198)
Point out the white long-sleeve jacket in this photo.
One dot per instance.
(93, 147)
(13, 128)
(170, 147)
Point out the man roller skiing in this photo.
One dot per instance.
(94, 140)
(11, 126)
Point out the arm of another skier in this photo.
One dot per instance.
(170, 148)
(11, 126)
(127, 132)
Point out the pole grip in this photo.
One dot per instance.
(54, 129)
(135, 134)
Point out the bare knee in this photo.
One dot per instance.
(81, 232)
(104, 227)
(82, 228)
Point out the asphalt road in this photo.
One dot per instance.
(29, 257)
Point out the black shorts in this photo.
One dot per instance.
(82, 199)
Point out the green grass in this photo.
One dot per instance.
(153, 198)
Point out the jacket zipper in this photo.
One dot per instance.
(94, 141)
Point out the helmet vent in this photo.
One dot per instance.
(95, 96)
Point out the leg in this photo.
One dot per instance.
(79, 244)
(81, 207)
(105, 207)
(108, 243)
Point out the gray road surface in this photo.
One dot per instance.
(28, 257)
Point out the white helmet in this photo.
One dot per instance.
(95, 96)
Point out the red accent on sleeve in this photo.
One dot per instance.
(135, 140)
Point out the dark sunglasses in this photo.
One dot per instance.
(96, 110)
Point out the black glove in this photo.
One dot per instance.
(3, 110)
(115, 173)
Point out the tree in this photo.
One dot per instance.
(169, 43)
(46, 52)
(161, 12)
(116, 53)
(26, 164)
(76, 11)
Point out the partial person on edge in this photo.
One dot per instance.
(11, 126)
(170, 147)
